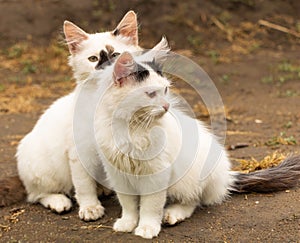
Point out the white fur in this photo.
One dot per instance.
(91, 47)
(143, 212)
(47, 159)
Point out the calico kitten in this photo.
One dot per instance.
(137, 105)
(47, 160)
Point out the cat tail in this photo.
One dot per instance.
(282, 177)
(11, 191)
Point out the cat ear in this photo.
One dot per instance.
(163, 45)
(158, 53)
(161, 50)
(74, 36)
(128, 27)
(124, 67)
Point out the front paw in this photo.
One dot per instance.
(58, 203)
(91, 212)
(172, 216)
(147, 231)
(125, 225)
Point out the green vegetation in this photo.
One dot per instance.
(282, 73)
(225, 78)
(214, 55)
(282, 139)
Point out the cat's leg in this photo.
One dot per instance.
(46, 186)
(216, 189)
(56, 202)
(46, 180)
(151, 213)
(129, 219)
(214, 193)
(175, 213)
(46, 192)
(85, 186)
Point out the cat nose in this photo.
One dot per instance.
(166, 106)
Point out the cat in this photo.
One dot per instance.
(140, 161)
(46, 158)
(89, 51)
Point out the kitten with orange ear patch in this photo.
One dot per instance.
(47, 159)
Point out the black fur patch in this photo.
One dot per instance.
(103, 60)
(141, 74)
(157, 67)
(106, 57)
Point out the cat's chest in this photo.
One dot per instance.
(140, 152)
(138, 156)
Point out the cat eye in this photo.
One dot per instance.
(151, 94)
(115, 54)
(166, 90)
(93, 59)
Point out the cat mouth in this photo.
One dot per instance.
(148, 114)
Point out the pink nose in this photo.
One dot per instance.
(166, 106)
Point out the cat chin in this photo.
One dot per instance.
(160, 113)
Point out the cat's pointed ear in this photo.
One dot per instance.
(74, 36)
(163, 45)
(124, 67)
(158, 53)
(161, 51)
(128, 27)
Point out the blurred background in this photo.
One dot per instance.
(187, 23)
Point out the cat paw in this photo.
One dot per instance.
(91, 212)
(147, 231)
(173, 216)
(58, 203)
(125, 225)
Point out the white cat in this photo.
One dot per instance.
(47, 161)
(146, 92)
(146, 166)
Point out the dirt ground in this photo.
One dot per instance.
(255, 68)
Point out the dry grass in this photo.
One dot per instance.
(250, 165)
(11, 219)
(281, 140)
(26, 58)
(25, 99)
(30, 74)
